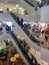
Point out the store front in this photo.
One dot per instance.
(8, 26)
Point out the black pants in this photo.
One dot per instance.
(46, 37)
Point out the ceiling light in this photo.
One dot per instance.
(38, 1)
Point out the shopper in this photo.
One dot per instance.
(46, 36)
(7, 9)
(22, 21)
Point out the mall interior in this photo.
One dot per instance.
(24, 32)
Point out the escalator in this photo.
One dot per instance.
(30, 60)
(25, 30)
(36, 3)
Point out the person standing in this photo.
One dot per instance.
(22, 21)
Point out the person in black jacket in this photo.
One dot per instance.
(46, 36)
(22, 21)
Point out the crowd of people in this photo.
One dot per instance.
(39, 30)
(26, 48)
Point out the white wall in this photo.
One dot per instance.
(30, 17)
(45, 14)
(31, 12)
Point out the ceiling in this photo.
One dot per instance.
(8, 1)
(37, 3)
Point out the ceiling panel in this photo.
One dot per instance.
(32, 2)
(37, 3)
(8, 1)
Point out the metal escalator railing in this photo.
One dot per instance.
(30, 60)
(35, 3)
(25, 30)
(32, 3)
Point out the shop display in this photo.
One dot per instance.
(8, 26)
(8, 57)
(3, 56)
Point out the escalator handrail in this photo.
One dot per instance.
(22, 49)
(31, 36)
